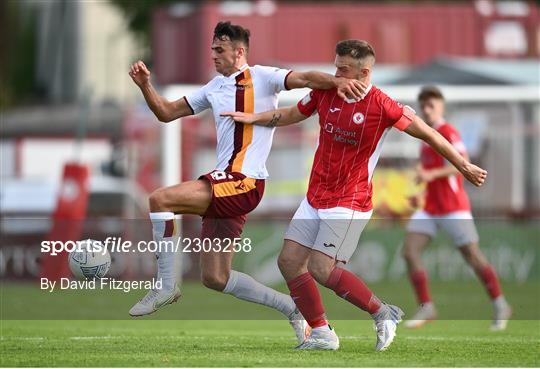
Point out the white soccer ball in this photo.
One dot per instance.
(90, 260)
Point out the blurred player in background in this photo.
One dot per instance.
(224, 196)
(447, 207)
(325, 229)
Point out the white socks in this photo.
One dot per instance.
(240, 285)
(246, 288)
(164, 228)
(500, 302)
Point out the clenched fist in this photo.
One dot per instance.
(475, 175)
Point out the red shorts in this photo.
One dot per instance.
(233, 196)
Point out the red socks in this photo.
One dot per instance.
(307, 298)
(351, 288)
(491, 282)
(488, 276)
(419, 280)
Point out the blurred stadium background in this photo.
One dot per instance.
(78, 142)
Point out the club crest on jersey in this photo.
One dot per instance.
(358, 118)
(243, 84)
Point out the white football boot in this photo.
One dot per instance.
(300, 326)
(320, 340)
(501, 315)
(425, 313)
(386, 323)
(155, 300)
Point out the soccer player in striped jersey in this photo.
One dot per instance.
(325, 229)
(446, 206)
(224, 196)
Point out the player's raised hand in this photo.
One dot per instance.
(350, 88)
(474, 174)
(139, 73)
(240, 117)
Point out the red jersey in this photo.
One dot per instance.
(350, 142)
(444, 195)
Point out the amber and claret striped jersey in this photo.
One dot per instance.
(241, 147)
(444, 195)
(350, 142)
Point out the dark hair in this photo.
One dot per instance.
(430, 92)
(232, 32)
(357, 49)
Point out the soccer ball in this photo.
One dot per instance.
(90, 260)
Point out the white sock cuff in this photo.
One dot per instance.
(162, 215)
(231, 283)
(499, 300)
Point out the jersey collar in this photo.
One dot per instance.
(242, 68)
(350, 101)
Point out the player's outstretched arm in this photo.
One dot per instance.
(273, 118)
(346, 88)
(419, 129)
(428, 175)
(164, 110)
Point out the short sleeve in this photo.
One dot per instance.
(398, 115)
(308, 104)
(276, 78)
(197, 100)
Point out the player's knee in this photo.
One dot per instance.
(320, 271)
(288, 264)
(468, 252)
(409, 253)
(215, 281)
(473, 255)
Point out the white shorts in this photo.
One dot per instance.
(334, 232)
(459, 225)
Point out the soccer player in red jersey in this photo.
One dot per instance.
(325, 229)
(446, 206)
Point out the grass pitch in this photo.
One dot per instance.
(252, 341)
(259, 344)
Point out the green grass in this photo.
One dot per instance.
(259, 343)
(464, 300)
(257, 337)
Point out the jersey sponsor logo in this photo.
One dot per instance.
(341, 135)
(329, 127)
(333, 110)
(358, 118)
